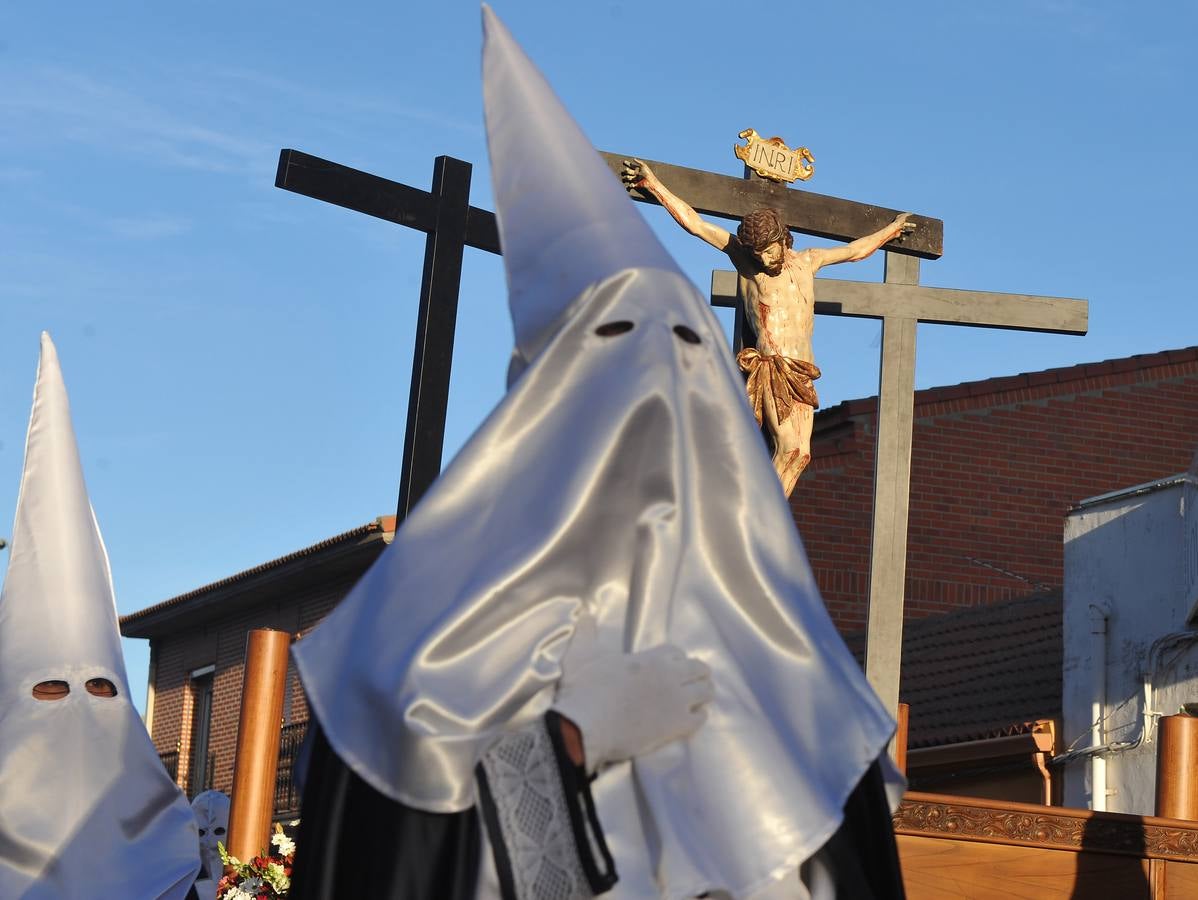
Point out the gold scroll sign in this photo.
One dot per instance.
(773, 159)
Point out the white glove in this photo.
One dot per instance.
(627, 704)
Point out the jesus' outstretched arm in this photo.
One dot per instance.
(862, 247)
(637, 174)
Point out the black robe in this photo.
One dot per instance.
(355, 842)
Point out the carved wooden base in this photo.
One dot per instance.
(1059, 828)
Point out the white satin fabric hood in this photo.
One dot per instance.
(622, 476)
(86, 808)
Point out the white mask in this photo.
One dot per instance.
(86, 807)
(623, 475)
(211, 810)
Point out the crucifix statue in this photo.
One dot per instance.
(777, 283)
(900, 303)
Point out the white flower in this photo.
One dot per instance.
(226, 858)
(285, 844)
(238, 894)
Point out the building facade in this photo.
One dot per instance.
(1131, 637)
(996, 466)
(197, 653)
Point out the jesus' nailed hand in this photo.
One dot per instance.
(778, 285)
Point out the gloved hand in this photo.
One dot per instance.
(627, 704)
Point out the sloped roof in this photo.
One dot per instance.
(136, 624)
(983, 672)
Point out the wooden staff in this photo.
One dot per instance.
(900, 737)
(257, 761)
(1177, 768)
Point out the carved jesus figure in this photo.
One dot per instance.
(778, 286)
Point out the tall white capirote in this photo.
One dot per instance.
(623, 476)
(565, 221)
(86, 807)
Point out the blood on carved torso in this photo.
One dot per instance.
(781, 308)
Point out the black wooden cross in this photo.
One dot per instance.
(452, 224)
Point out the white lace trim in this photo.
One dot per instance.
(534, 820)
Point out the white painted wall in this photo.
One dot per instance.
(1134, 553)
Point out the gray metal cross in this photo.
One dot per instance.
(900, 303)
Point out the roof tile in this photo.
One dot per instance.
(383, 524)
(983, 672)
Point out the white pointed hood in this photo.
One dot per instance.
(623, 476)
(86, 807)
(565, 221)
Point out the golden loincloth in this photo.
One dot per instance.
(788, 381)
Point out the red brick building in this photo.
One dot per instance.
(996, 465)
(197, 652)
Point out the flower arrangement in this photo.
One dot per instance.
(266, 877)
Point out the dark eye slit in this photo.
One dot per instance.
(611, 329)
(687, 334)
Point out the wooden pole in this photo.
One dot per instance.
(1177, 768)
(252, 801)
(900, 737)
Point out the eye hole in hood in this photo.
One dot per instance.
(611, 329)
(687, 334)
(100, 687)
(50, 690)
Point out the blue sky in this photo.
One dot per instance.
(238, 356)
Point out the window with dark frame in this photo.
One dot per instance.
(203, 762)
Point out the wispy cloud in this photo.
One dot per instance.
(80, 281)
(221, 121)
(339, 103)
(147, 227)
(53, 104)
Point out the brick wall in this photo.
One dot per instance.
(222, 643)
(995, 467)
